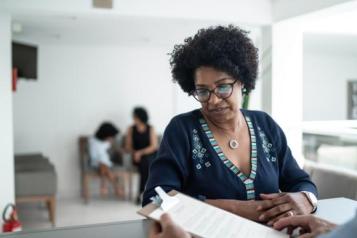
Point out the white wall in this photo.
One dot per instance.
(325, 85)
(287, 67)
(266, 68)
(78, 88)
(6, 128)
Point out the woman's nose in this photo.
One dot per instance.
(213, 99)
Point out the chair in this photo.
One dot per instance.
(36, 181)
(88, 172)
(332, 181)
(128, 163)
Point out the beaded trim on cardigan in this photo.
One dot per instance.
(248, 181)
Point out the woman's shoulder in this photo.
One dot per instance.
(94, 142)
(184, 120)
(260, 118)
(187, 116)
(257, 115)
(263, 121)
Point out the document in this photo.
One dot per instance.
(203, 220)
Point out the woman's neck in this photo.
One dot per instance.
(141, 127)
(232, 125)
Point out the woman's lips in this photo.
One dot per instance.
(219, 110)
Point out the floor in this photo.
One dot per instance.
(72, 212)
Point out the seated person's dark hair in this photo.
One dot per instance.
(226, 49)
(141, 114)
(106, 130)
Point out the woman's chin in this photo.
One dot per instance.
(219, 115)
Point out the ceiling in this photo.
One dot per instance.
(118, 30)
(130, 22)
(334, 32)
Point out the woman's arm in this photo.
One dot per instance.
(247, 209)
(128, 140)
(170, 169)
(293, 181)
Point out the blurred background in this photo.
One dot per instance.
(81, 62)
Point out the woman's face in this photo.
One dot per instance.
(218, 109)
(110, 139)
(137, 121)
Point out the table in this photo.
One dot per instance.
(337, 210)
(132, 229)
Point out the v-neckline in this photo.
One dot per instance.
(248, 180)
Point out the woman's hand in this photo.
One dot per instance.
(167, 229)
(310, 226)
(278, 205)
(137, 156)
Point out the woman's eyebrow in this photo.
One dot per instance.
(222, 79)
(216, 82)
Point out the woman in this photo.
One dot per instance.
(141, 142)
(99, 147)
(232, 158)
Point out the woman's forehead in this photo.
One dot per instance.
(209, 75)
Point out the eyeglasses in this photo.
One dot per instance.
(222, 91)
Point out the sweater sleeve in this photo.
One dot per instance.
(169, 169)
(291, 177)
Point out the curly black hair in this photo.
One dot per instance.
(106, 130)
(226, 49)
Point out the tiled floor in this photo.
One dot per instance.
(72, 212)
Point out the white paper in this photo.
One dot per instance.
(204, 220)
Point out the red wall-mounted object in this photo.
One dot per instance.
(11, 222)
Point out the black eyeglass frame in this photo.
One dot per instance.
(193, 92)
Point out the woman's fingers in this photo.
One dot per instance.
(279, 198)
(271, 195)
(166, 220)
(294, 221)
(277, 218)
(275, 212)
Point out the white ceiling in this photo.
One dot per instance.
(110, 29)
(133, 22)
(343, 20)
(334, 32)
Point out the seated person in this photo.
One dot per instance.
(235, 159)
(99, 147)
(141, 142)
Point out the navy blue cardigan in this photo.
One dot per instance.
(187, 162)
